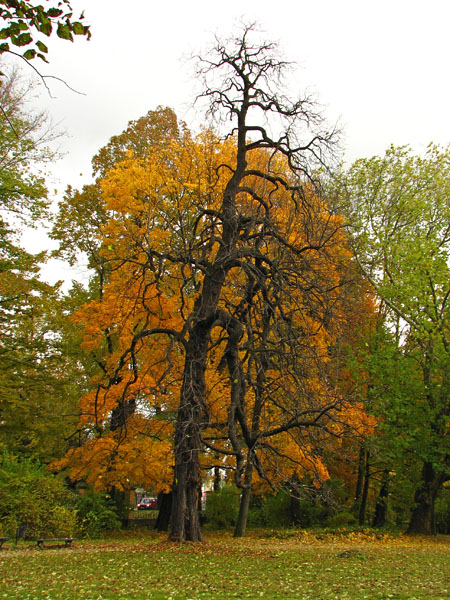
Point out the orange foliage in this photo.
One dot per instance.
(161, 231)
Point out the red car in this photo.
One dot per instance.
(148, 504)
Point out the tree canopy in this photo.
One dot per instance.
(224, 275)
(33, 368)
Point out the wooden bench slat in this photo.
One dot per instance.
(41, 541)
(54, 539)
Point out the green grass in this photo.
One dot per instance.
(272, 565)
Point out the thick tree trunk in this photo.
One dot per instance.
(241, 524)
(192, 418)
(121, 505)
(422, 517)
(185, 521)
(165, 509)
(380, 517)
(192, 413)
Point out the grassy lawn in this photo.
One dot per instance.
(271, 565)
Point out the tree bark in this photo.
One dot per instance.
(380, 517)
(360, 478)
(165, 508)
(217, 479)
(241, 524)
(191, 416)
(185, 521)
(294, 510)
(422, 517)
(362, 486)
(365, 490)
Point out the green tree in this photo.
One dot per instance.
(34, 375)
(398, 209)
(37, 381)
(389, 378)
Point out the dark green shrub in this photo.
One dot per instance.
(442, 511)
(96, 514)
(271, 510)
(341, 519)
(310, 513)
(32, 497)
(222, 507)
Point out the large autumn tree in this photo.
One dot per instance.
(241, 80)
(198, 228)
(287, 318)
(399, 212)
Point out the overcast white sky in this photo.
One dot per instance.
(381, 68)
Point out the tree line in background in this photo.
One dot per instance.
(256, 315)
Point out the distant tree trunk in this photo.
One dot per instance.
(380, 517)
(119, 417)
(294, 501)
(422, 517)
(294, 510)
(121, 504)
(165, 509)
(241, 524)
(365, 490)
(359, 480)
(217, 479)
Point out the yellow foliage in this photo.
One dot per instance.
(163, 229)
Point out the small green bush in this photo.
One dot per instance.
(63, 521)
(222, 507)
(34, 498)
(96, 514)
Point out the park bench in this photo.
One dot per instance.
(3, 540)
(40, 542)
